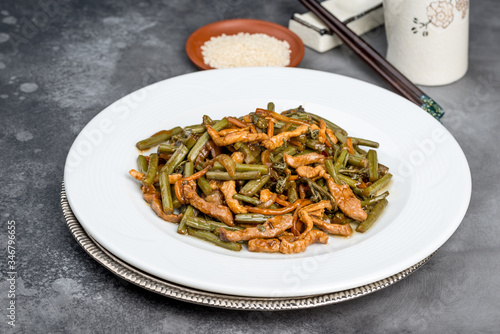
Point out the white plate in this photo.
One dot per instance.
(430, 191)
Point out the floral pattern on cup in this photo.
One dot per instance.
(462, 6)
(440, 14)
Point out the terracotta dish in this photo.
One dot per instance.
(231, 27)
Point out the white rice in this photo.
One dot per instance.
(244, 50)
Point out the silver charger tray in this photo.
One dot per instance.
(190, 295)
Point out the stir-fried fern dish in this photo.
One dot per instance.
(275, 182)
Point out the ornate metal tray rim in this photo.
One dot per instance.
(179, 292)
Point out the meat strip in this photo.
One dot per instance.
(311, 172)
(139, 176)
(276, 141)
(172, 178)
(217, 211)
(337, 229)
(302, 160)
(228, 188)
(265, 195)
(347, 202)
(318, 213)
(307, 219)
(238, 157)
(214, 184)
(136, 175)
(287, 244)
(264, 245)
(270, 229)
(152, 196)
(232, 130)
(240, 136)
(291, 246)
(216, 197)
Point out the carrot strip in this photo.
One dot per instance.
(197, 175)
(284, 128)
(281, 211)
(322, 126)
(322, 133)
(270, 128)
(282, 202)
(349, 145)
(280, 117)
(331, 135)
(178, 192)
(236, 122)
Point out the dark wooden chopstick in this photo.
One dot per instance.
(378, 63)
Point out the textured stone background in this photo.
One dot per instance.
(61, 62)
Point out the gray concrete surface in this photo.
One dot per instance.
(63, 61)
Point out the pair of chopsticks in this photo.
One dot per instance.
(378, 63)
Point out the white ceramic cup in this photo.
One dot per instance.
(428, 40)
